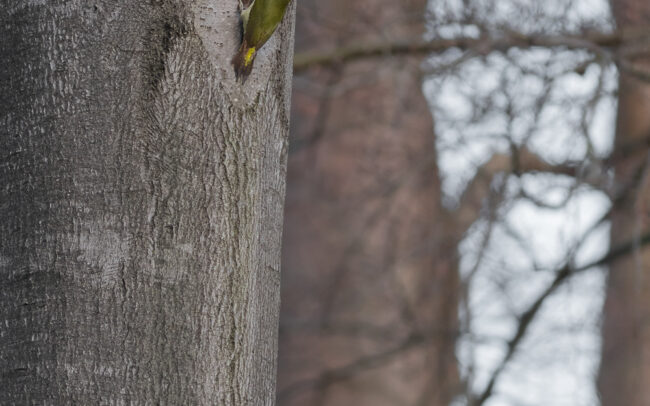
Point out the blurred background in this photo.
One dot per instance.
(467, 204)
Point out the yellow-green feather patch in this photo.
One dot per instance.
(248, 58)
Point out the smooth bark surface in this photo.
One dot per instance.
(141, 194)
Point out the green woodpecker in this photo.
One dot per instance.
(259, 19)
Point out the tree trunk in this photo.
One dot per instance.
(625, 363)
(141, 193)
(369, 270)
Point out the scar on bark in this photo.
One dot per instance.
(161, 39)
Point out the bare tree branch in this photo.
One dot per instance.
(595, 42)
(527, 317)
(363, 363)
(519, 161)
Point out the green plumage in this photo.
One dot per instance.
(260, 18)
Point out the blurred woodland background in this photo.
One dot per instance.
(467, 204)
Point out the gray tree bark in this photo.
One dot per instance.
(141, 193)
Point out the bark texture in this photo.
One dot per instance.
(141, 194)
(625, 363)
(369, 268)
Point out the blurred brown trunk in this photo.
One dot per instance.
(625, 365)
(369, 281)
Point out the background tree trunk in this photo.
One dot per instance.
(625, 364)
(141, 194)
(370, 287)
